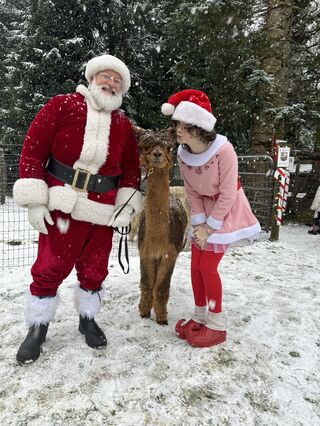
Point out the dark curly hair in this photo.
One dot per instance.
(205, 136)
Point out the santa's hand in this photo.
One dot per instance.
(37, 214)
(121, 219)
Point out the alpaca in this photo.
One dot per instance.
(180, 192)
(177, 191)
(162, 225)
(134, 225)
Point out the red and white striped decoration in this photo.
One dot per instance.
(283, 178)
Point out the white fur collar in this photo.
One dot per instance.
(204, 157)
(84, 91)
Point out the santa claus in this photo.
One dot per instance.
(79, 165)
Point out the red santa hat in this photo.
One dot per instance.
(108, 62)
(192, 107)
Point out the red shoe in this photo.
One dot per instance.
(205, 337)
(190, 325)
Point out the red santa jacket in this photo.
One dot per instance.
(73, 130)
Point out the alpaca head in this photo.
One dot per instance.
(156, 149)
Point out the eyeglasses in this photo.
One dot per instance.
(108, 77)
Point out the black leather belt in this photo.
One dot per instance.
(80, 179)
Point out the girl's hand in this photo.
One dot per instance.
(201, 234)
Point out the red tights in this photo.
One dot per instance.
(206, 283)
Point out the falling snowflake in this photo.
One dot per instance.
(63, 225)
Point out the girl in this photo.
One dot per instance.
(220, 211)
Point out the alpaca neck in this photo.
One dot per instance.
(157, 202)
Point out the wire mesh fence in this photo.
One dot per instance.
(18, 240)
(256, 176)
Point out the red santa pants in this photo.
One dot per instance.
(71, 243)
(205, 278)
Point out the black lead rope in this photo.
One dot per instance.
(124, 238)
(124, 231)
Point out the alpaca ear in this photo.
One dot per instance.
(138, 131)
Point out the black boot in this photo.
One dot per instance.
(29, 350)
(95, 337)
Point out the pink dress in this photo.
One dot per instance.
(214, 195)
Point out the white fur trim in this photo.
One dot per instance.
(96, 140)
(200, 314)
(85, 92)
(198, 219)
(62, 198)
(167, 109)
(227, 238)
(216, 321)
(39, 311)
(123, 196)
(191, 113)
(30, 191)
(214, 223)
(108, 62)
(88, 303)
(200, 159)
(92, 211)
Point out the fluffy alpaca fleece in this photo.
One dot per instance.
(39, 311)
(162, 224)
(88, 303)
(179, 192)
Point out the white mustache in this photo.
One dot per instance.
(106, 96)
(110, 89)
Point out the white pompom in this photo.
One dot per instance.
(167, 109)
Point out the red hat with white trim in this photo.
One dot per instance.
(108, 62)
(192, 107)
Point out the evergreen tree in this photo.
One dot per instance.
(212, 49)
(59, 38)
(132, 31)
(303, 116)
(12, 18)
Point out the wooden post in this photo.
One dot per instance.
(274, 233)
(3, 174)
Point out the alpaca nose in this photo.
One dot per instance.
(157, 153)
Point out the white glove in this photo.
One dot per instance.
(36, 215)
(123, 219)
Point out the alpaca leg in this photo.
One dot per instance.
(148, 275)
(161, 289)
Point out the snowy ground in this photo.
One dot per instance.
(267, 373)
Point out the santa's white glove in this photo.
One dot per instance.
(122, 219)
(37, 214)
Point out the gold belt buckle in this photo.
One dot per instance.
(75, 178)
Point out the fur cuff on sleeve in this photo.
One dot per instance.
(62, 198)
(124, 194)
(30, 191)
(198, 219)
(214, 223)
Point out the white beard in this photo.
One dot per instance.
(106, 101)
